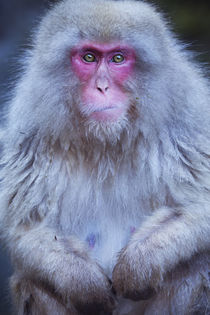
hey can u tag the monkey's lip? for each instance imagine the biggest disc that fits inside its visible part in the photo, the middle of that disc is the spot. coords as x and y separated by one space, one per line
109 113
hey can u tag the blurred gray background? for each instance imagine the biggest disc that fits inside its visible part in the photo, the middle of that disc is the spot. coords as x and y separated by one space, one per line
190 20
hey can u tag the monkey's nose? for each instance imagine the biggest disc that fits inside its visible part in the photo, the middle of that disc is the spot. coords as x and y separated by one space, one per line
102 89
102 84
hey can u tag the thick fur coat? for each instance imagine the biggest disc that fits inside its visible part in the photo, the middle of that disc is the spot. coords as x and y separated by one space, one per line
81 201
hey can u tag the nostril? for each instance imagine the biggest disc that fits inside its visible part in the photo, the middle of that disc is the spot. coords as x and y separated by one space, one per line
99 89
106 88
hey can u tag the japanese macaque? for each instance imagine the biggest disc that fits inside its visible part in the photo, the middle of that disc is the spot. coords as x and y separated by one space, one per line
105 178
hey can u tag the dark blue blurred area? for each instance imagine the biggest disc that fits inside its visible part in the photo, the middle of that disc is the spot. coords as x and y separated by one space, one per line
191 19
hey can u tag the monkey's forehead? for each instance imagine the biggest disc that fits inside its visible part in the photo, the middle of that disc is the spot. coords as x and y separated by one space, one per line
102 20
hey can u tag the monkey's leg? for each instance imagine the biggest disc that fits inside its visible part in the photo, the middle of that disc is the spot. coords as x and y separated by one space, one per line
32 299
166 239
62 267
186 290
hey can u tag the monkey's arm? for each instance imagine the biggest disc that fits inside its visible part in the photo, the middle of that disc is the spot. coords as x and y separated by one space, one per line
62 267
166 238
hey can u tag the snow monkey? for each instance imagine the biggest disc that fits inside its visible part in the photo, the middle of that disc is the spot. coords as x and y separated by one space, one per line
105 178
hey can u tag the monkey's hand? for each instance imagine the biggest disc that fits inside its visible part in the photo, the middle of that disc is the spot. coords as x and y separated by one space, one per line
164 240
134 277
88 288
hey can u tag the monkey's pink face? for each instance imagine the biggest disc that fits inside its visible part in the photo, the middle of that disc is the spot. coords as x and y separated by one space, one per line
102 70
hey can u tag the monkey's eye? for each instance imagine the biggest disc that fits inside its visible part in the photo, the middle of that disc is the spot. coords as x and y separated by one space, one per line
89 57
118 58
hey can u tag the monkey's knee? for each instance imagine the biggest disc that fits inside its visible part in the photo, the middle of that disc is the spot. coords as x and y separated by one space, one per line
185 291
21 291
29 299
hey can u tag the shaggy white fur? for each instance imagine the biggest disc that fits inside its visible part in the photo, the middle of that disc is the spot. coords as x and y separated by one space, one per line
75 193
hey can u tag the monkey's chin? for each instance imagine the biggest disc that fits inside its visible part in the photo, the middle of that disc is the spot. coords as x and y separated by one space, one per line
104 123
106 130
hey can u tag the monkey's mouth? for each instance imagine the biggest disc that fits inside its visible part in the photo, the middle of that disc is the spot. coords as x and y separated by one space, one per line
104 109
104 112
108 114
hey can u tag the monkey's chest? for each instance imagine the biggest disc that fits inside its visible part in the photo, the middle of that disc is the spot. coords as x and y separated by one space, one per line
103 219
104 234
